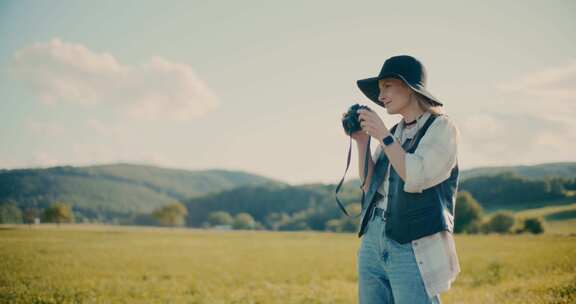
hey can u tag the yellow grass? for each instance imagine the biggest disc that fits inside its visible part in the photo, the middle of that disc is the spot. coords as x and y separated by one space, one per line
567 226
561 227
112 264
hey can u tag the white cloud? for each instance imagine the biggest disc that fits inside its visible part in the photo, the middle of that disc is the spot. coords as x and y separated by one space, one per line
515 138
547 101
483 126
530 121
554 81
61 72
551 87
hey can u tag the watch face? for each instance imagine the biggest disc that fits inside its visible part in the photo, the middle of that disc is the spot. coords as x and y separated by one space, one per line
388 140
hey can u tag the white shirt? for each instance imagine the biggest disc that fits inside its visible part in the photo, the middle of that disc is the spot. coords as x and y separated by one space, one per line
429 165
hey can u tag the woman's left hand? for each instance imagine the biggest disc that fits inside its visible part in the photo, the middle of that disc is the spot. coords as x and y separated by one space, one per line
372 124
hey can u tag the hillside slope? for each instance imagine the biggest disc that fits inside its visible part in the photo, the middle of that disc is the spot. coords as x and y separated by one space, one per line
116 188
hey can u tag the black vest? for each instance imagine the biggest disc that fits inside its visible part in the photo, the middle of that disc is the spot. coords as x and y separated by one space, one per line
410 216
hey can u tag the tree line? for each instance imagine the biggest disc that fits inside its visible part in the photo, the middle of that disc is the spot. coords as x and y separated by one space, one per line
470 218
313 207
509 188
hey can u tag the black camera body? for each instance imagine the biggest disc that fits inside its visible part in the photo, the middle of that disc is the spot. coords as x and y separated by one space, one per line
350 121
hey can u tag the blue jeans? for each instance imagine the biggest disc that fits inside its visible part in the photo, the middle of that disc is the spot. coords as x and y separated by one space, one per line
387 270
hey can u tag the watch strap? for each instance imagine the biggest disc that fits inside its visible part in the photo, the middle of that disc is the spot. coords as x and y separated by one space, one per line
388 140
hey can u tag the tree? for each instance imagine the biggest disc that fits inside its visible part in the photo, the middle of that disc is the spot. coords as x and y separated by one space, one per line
297 221
173 214
476 227
345 223
259 226
333 225
501 222
276 219
294 225
556 186
510 188
30 215
468 213
533 225
59 212
243 220
10 214
350 223
220 218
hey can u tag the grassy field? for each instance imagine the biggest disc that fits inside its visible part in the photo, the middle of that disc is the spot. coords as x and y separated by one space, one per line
549 211
119 264
559 219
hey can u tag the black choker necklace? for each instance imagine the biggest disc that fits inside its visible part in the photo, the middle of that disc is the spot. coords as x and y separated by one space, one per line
410 123
413 122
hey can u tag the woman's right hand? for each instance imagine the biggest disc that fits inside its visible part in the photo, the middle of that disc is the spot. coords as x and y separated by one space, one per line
359 136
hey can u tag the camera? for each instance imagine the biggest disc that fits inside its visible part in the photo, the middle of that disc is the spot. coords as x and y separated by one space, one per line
350 121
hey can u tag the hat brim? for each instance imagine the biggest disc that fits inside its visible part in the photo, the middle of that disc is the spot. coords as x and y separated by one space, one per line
369 86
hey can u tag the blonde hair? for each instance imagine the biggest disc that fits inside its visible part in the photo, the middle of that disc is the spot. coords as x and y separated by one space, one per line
425 104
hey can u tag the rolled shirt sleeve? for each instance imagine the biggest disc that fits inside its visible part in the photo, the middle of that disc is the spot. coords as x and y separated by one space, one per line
434 158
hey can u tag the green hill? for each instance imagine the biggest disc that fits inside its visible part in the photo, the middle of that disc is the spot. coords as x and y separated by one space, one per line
540 171
311 205
123 192
107 191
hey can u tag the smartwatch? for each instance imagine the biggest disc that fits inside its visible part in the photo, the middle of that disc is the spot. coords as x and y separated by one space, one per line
388 140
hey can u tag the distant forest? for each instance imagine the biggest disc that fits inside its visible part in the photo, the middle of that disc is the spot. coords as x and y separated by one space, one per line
260 203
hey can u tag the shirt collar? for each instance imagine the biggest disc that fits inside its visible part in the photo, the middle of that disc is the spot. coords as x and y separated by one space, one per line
419 123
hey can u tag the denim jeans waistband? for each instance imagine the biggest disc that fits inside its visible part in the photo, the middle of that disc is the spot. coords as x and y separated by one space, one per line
378 212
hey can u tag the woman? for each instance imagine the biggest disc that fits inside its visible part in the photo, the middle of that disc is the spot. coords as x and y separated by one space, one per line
407 252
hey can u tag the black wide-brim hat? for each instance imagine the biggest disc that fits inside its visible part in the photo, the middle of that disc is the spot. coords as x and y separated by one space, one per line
403 67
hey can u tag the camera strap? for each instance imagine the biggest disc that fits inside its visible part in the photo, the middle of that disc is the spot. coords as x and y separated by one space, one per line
365 173
343 177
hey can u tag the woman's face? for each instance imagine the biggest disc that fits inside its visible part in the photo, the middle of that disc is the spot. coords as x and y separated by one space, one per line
394 94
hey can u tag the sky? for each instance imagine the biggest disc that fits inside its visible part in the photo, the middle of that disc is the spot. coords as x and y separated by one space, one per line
260 86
